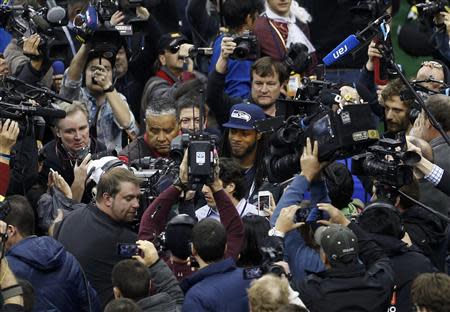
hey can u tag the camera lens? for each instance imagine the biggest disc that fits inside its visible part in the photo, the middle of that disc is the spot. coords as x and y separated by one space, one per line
242 50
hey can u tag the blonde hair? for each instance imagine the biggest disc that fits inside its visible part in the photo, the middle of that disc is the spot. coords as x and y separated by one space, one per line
268 293
70 109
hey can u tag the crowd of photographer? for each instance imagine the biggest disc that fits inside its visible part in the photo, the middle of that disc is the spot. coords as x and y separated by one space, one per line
193 155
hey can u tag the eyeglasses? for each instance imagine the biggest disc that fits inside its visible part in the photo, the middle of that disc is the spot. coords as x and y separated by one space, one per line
432 64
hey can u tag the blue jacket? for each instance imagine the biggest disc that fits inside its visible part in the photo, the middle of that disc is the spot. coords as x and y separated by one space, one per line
237 81
301 258
218 287
55 274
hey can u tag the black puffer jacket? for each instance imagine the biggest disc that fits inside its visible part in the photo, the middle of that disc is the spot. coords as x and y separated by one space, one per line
427 232
407 262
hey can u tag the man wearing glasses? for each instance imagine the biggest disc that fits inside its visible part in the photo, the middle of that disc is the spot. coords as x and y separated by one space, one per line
174 66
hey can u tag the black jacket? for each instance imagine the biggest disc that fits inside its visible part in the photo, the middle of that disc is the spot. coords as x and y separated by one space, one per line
427 232
56 157
353 287
408 263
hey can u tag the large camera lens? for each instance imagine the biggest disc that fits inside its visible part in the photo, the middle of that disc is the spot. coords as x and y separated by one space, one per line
242 50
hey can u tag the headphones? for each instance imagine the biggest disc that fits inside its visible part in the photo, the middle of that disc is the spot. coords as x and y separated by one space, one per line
106 167
388 206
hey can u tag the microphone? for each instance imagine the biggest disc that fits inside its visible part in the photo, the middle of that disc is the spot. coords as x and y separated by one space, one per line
344 48
40 22
362 38
55 12
58 67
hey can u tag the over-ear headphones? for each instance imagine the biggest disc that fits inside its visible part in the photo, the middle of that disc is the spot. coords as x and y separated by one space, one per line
388 206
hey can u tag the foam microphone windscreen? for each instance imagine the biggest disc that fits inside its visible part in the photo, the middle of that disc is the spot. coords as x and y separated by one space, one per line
58 67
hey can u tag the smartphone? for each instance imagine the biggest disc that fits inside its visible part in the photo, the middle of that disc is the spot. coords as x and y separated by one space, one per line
127 250
264 200
252 273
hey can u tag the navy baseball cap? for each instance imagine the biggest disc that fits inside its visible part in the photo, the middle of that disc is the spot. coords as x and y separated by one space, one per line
243 116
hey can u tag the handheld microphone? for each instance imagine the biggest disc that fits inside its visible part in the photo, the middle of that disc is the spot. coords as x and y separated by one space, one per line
55 12
58 67
344 48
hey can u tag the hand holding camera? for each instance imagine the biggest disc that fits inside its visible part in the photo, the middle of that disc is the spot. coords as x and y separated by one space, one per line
117 18
80 174
309 161
336 216
9 130
148 253
285 222
56 180
445 18
227 47
101 77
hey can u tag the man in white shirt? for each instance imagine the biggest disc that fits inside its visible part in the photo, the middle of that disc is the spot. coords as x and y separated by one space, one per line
234 185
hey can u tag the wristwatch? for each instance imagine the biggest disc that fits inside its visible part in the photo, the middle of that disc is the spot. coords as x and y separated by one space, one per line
9 292
110 89
273 232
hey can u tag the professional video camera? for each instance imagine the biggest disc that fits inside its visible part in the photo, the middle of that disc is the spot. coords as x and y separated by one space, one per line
388 163
201 148
100 11
24 20
432 8
247 47
340 133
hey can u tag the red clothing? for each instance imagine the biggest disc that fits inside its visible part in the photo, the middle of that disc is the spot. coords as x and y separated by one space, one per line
270 42
4 178
154 221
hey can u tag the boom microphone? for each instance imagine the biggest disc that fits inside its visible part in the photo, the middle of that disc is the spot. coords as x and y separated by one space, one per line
344 48
352 42
55 12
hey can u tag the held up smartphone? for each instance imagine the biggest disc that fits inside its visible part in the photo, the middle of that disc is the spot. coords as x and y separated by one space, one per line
264 200
252 273
127 250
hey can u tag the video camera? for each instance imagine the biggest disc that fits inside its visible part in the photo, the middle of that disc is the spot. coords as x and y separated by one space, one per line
200 146
100 11
340 133
387 162
247 47
22 20
432 8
